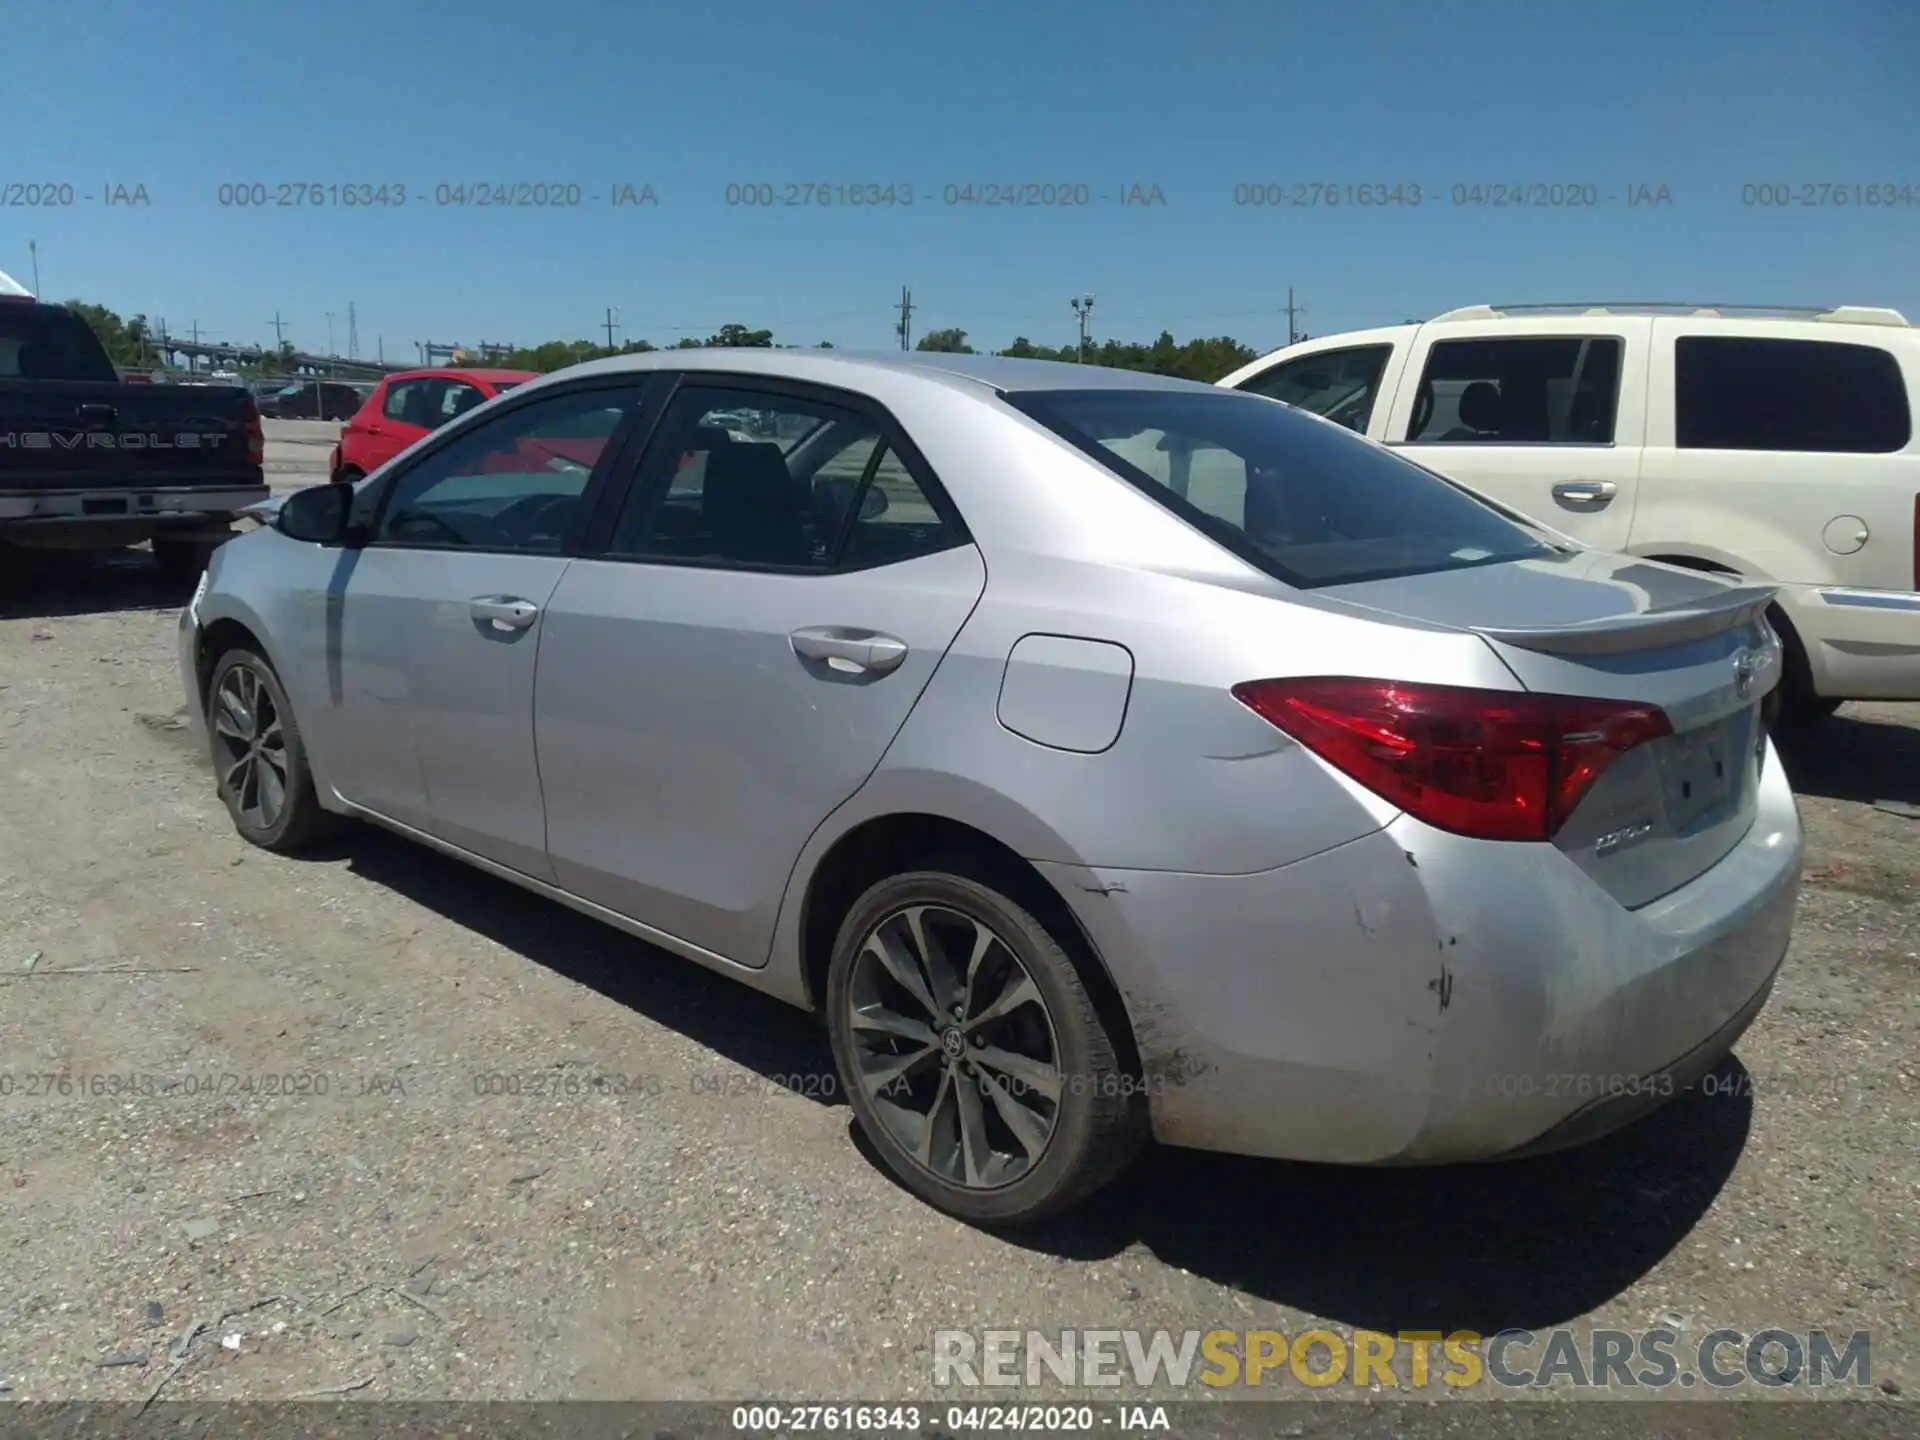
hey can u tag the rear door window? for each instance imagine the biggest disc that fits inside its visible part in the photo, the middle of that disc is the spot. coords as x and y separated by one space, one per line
1735 392
1302 499
1543 390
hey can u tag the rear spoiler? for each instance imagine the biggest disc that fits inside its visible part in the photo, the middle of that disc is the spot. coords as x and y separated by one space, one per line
1611 634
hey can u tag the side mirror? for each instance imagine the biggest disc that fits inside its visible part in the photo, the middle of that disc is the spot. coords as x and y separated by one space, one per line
317 515
874 505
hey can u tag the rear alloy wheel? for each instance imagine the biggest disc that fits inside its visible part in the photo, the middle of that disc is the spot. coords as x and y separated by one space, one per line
260 764
974 1058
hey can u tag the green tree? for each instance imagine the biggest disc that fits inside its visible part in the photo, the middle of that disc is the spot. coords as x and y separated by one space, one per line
949 342
738 337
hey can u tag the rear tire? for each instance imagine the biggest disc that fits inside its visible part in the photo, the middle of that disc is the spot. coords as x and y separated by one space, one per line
975 1059
1794 703
259 760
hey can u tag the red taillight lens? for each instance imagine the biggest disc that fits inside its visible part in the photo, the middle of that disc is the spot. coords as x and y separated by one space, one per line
1493 764
256 437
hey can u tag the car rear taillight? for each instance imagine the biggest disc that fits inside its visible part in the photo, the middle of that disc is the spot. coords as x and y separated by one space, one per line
1493 764
256 437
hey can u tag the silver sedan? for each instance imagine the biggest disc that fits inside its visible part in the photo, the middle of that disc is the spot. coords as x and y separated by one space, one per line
1104 756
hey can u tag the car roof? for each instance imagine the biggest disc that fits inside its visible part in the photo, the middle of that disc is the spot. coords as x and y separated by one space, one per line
1002 373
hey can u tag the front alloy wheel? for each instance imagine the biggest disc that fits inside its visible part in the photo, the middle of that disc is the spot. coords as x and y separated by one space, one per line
259 761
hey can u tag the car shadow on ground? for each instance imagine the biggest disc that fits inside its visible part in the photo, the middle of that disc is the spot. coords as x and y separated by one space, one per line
751 1029
1845 757
46 584
1519 1244
1526 1243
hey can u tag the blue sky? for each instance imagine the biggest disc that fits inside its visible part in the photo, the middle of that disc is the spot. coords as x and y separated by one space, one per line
1195 98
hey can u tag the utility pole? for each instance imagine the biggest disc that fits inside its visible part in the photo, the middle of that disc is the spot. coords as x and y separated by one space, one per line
353 333
612 323
1293 335
279 339
1083 307
33 249
905 328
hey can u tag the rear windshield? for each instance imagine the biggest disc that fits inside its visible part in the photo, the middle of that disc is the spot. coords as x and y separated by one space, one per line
46 342
1305 500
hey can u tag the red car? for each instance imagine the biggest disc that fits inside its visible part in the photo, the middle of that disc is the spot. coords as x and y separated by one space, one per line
408 405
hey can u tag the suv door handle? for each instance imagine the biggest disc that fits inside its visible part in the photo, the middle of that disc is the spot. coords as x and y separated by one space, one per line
504 612
98 412
1586 491
849 650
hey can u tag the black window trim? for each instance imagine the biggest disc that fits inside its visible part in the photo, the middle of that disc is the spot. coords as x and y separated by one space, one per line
371 504
893 436
1230 537
1619 391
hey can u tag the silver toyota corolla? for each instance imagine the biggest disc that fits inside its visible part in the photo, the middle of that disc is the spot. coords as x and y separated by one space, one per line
1104 755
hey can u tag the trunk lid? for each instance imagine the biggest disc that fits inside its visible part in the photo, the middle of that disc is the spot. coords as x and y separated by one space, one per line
1589 623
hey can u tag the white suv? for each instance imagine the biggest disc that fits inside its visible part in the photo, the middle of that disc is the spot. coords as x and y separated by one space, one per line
1776 443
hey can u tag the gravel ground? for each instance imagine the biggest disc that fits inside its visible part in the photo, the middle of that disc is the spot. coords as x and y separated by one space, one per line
295 1143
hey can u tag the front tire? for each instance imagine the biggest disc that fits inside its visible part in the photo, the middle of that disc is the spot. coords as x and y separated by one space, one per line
259 760
973 1055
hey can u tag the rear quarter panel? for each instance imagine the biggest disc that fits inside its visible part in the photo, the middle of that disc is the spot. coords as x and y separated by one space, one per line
1771 514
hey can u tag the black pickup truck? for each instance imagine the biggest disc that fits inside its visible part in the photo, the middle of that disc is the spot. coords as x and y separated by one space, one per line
89 462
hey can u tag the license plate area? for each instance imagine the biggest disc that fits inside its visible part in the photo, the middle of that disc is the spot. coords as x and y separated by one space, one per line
1703 773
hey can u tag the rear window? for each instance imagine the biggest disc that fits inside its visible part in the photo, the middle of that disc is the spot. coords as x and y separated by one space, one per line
1742 393
46 342
1303 499
505 385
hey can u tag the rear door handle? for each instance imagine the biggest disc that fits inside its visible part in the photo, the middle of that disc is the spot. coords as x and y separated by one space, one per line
1586 491
504 612
99 412
849 650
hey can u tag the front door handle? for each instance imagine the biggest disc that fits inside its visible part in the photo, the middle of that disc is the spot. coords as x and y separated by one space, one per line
504 612
848 650
1585 491
99 412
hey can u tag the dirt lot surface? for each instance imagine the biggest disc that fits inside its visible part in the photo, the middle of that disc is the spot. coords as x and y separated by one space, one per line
275 1111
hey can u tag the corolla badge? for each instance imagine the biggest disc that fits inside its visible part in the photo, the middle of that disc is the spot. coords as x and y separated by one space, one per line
1744 667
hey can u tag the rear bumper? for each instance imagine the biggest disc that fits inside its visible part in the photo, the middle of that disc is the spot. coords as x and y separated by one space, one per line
1415 997
1861 644
121 503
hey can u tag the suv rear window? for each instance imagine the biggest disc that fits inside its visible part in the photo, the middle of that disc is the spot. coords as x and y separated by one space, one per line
47 342
1301 498
1738 393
